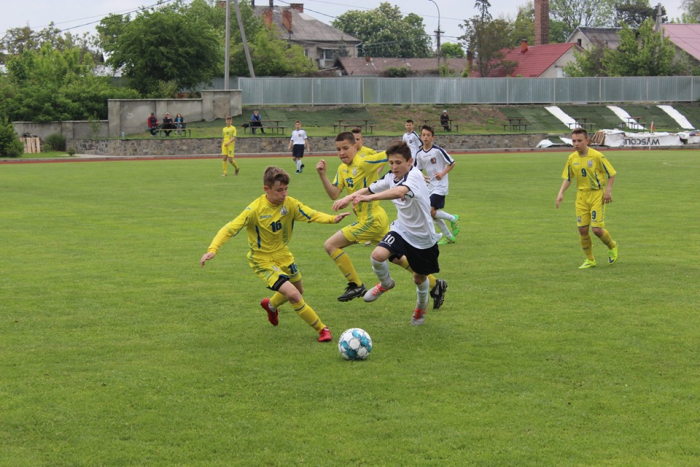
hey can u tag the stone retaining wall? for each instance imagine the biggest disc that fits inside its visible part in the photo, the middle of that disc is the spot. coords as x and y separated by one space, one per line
259 145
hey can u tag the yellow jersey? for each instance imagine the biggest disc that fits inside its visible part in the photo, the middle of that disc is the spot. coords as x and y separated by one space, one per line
229 132
589 171
359 174
269 226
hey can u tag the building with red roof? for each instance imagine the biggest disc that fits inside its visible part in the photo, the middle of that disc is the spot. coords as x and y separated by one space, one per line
538 61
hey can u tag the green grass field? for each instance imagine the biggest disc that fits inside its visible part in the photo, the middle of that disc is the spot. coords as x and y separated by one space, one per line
118 349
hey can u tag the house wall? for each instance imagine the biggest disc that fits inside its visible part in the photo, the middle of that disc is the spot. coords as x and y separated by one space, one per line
557 69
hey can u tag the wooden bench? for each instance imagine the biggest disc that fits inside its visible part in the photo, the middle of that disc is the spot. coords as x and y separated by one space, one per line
183 132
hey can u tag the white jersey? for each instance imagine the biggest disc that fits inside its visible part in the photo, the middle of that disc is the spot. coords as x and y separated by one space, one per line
413 141
298 137
433 161
414 223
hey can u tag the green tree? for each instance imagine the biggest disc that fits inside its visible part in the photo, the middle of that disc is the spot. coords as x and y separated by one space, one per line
523 27
384 32
486 38
575 13
49 84
160 46
642 53
18 40
634 12
10 145
451 50
588 62
692 11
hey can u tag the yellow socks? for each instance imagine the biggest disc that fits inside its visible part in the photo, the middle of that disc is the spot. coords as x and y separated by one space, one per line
403 262
342 260
587 246
223 164
308 314
234 163
277 300
607 239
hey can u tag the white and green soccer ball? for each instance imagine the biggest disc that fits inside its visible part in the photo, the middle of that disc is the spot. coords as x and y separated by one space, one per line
355 344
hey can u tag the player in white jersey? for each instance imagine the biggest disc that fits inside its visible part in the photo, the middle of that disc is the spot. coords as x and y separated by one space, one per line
437 164
412 234
412 138
299 139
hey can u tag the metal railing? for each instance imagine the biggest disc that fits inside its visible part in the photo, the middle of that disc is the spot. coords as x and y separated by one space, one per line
362 91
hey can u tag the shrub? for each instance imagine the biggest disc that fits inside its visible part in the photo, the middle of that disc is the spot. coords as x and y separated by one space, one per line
10 145
56 142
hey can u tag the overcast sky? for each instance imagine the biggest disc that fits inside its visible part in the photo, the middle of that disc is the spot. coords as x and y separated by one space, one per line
78 16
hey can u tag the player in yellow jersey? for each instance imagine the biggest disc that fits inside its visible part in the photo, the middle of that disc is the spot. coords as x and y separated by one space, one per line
595 176
269 221
360 143
355 172
228 146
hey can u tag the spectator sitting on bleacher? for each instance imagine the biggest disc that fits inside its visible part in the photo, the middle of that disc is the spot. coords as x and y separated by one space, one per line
179 123
256 122
153 124
168 125
445 120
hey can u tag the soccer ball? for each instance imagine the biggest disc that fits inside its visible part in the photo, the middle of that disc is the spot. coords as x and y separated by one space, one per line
355 344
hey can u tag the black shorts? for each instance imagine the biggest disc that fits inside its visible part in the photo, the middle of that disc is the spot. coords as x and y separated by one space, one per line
298 151
423 262
437 201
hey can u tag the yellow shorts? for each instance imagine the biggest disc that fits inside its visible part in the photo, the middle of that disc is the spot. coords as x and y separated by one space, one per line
274 271
590 209
372 229
228 151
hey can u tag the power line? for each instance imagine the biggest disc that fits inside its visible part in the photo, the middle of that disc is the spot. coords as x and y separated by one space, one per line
125 12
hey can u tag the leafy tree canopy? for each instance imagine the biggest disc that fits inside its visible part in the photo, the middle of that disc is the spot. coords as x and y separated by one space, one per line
17 40
575 13
643 52
634 12
160 46
384 32
49 84
451 50
486 38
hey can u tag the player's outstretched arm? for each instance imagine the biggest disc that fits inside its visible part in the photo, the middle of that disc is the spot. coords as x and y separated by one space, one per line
331 190
206 257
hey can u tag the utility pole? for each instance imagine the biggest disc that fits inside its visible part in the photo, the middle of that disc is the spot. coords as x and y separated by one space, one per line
245 41
437 33
227 59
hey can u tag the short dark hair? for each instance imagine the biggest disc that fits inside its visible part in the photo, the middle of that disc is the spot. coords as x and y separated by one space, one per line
357 130
409 121
345 136
428 128
399 148
297 121
275 174
580 131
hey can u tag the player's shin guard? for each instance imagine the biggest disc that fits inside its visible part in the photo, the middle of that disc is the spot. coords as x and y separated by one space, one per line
440 214
225 167
587 246
423 291
277 300
607 239
442 226
308 314
381 270
342 260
